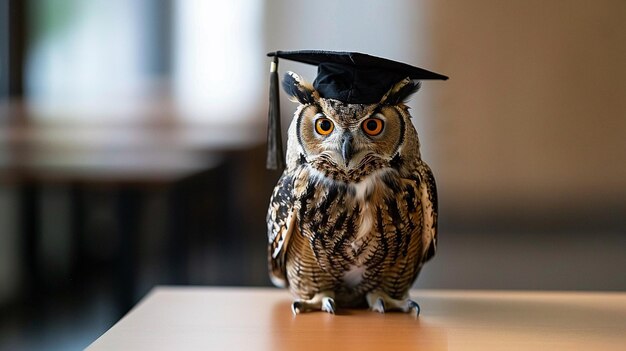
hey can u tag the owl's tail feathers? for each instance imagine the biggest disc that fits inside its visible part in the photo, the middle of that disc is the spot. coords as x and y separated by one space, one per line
278 282
276 270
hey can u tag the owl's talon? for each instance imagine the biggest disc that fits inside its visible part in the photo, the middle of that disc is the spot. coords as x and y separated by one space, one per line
296 307
379 305
323 301
414 306
328 305
381 302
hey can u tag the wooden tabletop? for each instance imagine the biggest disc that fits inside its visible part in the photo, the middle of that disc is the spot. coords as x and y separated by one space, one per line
176 318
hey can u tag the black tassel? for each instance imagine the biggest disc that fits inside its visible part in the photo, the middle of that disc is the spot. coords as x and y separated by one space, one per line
275 157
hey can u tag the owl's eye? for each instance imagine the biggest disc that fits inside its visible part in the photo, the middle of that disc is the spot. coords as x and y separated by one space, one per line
324 126
372 126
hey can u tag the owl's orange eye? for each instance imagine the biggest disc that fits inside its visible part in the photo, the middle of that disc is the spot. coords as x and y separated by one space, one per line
372 126
324 126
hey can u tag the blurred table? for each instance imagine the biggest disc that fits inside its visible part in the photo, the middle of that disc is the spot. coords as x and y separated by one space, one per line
173 318
149 142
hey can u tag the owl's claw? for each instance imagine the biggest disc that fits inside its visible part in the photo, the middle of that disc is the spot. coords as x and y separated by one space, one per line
379 306
320 302
328 305
414 306
296 307
380 302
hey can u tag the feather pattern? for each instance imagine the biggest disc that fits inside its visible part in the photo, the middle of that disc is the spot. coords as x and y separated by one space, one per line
313 234
350 229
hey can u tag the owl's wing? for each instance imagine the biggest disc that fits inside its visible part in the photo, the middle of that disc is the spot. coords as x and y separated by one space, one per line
280 224
428 194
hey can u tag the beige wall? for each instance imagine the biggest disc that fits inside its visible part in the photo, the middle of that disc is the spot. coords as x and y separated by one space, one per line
535 110
534 114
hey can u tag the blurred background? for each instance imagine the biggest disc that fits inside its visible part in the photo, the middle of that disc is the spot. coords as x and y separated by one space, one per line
132 145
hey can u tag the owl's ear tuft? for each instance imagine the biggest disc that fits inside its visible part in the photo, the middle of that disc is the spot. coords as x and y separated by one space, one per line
401 91
298 89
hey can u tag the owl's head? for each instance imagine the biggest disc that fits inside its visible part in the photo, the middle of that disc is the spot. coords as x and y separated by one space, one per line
346 141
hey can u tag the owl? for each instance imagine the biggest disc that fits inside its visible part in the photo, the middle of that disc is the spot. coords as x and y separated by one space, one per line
353 217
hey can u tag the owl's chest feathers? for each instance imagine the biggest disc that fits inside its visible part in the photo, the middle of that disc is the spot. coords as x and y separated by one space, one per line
342 221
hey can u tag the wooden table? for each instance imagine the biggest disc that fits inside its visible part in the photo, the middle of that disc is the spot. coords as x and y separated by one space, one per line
176 318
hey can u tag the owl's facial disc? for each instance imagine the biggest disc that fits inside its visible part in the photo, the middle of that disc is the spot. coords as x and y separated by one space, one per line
330 138
345 140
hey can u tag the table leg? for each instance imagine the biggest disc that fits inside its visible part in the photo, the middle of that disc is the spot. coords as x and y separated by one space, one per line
77 236
30 228
128 211
178 234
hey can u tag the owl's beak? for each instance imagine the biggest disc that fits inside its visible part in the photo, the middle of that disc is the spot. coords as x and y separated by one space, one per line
346 147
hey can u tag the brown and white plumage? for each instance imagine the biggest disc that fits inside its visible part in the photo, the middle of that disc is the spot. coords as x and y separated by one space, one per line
354 216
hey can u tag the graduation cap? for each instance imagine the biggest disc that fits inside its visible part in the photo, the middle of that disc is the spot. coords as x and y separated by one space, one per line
349 77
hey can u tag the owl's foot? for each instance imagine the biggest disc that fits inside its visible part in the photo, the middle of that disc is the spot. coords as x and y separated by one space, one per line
379 301
323 301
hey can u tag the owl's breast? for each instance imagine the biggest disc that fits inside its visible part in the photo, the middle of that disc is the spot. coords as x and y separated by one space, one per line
354 229
353 237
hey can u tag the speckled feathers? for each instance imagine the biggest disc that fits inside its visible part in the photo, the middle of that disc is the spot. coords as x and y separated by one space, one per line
353 227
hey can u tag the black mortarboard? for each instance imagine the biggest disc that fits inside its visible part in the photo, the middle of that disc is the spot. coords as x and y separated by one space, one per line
350 77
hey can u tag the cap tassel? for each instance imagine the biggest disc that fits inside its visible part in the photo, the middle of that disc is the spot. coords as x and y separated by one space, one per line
275 158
